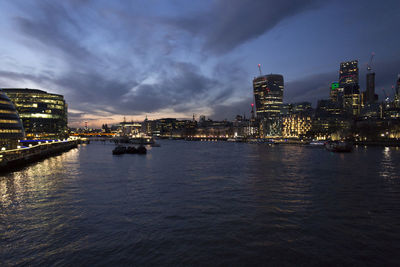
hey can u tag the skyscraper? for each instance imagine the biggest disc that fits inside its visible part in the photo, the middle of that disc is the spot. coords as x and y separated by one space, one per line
268 94
348 84
334 91
348 73
370 93
397 96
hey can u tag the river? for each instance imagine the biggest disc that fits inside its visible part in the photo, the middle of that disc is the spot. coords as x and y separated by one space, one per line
204 203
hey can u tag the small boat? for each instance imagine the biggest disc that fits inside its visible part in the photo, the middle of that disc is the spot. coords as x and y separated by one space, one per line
317 143
141 150
339 146
119 150
131 150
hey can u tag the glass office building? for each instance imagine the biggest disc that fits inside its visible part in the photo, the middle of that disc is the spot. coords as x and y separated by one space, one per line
348 84
43 115
11 129
268 94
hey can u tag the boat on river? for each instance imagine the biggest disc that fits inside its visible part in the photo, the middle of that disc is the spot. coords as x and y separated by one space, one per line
119 150
141 150
339 146
131 150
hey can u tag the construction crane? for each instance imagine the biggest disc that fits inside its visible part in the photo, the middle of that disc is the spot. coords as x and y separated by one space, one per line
259 68
369 65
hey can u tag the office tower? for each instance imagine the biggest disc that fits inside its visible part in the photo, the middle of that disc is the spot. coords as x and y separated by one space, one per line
348 83
11 129
397 93
348 73
398 85
268 94
334 91
370 96
43 115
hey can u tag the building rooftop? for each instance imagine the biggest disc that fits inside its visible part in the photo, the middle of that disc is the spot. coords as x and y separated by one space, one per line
26 90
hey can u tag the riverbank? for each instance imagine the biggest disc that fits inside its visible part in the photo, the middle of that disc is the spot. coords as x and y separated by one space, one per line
17 158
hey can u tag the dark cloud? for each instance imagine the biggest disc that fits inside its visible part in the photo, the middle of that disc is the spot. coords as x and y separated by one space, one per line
385 76
230 23
181 88
95 82
7 77
52 26
310 88
114 59
229 111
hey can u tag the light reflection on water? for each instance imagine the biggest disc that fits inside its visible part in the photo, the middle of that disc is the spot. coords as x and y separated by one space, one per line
388 170
203 203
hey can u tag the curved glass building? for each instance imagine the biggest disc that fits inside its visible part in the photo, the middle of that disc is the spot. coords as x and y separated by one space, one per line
268 94
43 115
11 129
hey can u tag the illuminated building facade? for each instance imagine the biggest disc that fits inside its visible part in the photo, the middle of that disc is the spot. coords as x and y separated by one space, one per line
268 94
348 84
334 128
42 114
296 125
352 100
11 129
348 73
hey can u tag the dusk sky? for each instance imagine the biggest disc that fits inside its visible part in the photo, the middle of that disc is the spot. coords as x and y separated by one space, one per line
161 58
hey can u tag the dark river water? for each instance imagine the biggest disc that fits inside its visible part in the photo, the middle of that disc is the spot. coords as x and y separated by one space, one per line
204 203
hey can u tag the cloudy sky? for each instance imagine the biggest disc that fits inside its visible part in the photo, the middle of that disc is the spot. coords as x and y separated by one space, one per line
173 58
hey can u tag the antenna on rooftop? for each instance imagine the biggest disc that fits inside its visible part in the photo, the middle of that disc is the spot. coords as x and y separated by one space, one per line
259 68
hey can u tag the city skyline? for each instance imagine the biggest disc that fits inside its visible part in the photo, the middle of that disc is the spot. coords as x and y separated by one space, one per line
174 59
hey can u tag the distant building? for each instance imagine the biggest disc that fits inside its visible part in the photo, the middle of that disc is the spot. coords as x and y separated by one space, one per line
349 87
373 110
294 108
398 85
328 108
268 94
352 99
370 96
296 125
11 129
131 129
43 115
334 91
397 96
348 73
